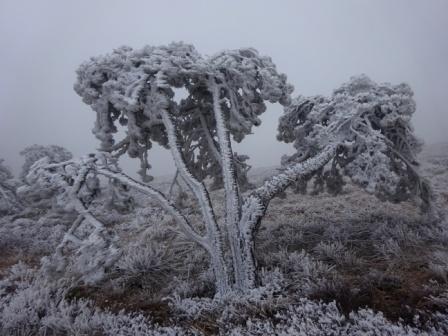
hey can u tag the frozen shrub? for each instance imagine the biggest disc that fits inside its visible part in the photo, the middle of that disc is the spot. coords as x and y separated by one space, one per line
305 274
33 236
55 154
9 202
310 318
149 266
230 310
85 263
191 308
439 265
198 280
440 299
30 305
35 194
337 253
389 249
273 279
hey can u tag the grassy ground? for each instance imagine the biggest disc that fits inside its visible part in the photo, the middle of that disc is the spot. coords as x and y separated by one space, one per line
353 249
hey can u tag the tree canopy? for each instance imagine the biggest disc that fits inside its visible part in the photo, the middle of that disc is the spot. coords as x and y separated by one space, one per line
129 87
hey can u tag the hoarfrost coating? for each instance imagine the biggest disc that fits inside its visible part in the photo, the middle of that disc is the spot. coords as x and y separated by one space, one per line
373 122
363 131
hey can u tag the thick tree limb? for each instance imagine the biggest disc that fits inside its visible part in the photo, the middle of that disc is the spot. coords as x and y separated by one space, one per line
257 203
232 196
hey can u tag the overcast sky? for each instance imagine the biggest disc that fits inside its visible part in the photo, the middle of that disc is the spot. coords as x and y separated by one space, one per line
318 44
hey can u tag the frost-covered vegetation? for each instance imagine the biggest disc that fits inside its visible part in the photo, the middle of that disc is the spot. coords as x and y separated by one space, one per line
347 237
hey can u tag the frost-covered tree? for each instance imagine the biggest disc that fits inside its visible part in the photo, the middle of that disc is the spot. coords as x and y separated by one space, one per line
34 194
362 131
8 198
136 89
36 152
371 122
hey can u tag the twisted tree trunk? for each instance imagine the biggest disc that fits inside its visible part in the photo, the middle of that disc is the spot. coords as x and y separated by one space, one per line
232 197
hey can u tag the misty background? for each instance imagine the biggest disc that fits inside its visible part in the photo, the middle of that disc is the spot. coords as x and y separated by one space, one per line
318 44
